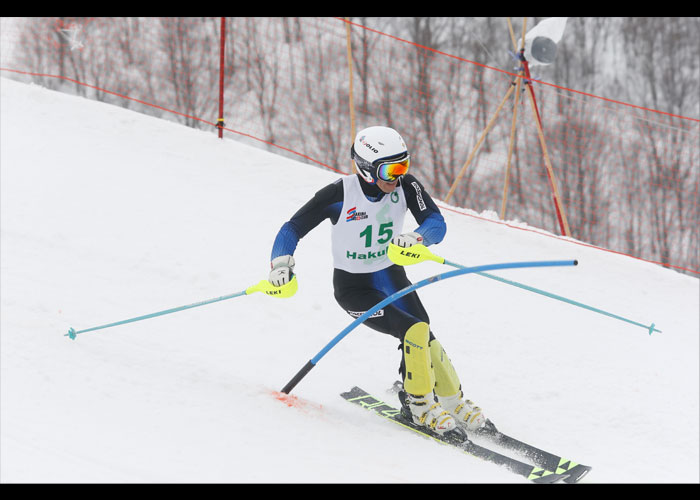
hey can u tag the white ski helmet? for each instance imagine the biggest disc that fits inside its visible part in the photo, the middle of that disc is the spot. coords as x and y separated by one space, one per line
380 153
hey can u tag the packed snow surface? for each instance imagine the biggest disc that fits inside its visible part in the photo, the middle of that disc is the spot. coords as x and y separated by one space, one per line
108 214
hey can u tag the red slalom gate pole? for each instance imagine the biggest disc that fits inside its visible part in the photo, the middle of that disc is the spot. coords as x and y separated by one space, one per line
220 121
558 207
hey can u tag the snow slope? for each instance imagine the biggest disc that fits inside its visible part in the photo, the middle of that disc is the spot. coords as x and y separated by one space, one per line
107 214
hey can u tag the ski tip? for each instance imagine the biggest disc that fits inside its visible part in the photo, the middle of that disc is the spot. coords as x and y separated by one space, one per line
577 473
549 478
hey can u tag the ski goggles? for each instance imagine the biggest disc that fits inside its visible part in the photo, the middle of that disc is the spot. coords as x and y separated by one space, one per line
389 171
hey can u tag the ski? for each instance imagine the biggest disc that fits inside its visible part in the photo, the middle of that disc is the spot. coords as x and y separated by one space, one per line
538 456
459 440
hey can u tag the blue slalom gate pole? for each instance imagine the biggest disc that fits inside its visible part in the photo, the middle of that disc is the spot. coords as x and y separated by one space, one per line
397 295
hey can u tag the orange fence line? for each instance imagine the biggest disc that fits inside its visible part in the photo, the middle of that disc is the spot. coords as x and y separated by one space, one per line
568 240
516 75
29 73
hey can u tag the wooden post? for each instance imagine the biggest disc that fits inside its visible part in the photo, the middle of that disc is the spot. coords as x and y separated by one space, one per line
561 215
478 144
515 115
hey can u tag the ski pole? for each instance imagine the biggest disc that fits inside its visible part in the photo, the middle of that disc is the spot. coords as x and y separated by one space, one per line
263 286
397 295
420 253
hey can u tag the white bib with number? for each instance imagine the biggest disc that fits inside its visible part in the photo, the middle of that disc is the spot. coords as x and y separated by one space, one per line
364 229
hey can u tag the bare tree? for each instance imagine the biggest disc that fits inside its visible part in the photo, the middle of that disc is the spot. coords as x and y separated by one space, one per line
262 71
628 177
664 70
192 71
325 97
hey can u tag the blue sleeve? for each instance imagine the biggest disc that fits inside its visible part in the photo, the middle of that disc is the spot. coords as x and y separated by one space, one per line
431 223
286 240
433 229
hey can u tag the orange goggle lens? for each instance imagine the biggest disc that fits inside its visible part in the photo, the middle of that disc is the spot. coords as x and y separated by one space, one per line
390 171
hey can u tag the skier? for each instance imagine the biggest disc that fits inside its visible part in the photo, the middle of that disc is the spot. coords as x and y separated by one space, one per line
367 213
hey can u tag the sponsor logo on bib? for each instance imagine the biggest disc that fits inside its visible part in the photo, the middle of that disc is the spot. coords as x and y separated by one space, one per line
353 214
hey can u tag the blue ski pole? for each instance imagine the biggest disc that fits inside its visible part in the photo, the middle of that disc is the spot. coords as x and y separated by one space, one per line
263 286
420 253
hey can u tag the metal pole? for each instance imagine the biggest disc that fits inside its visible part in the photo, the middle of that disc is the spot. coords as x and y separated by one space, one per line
222 59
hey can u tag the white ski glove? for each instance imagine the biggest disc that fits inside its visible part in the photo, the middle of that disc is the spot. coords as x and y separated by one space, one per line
407 239
282 270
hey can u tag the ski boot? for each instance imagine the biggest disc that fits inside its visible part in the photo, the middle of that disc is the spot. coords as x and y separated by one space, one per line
426 411
418 403
466 413
449 391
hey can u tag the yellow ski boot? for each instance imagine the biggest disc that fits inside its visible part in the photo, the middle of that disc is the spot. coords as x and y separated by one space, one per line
449 391
417 398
